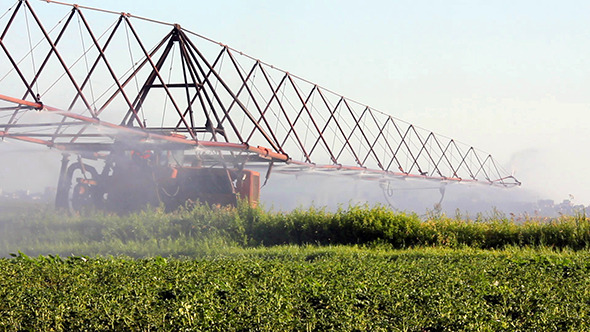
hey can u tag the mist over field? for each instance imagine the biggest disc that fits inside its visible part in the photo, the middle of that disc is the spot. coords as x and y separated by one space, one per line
35 169
286 192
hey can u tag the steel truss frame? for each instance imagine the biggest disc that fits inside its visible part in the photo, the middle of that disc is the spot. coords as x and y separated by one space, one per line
242 108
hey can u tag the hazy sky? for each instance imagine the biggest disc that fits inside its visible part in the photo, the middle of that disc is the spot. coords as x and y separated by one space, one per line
508 77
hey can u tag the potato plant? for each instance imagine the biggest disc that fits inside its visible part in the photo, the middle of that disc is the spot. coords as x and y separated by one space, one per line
291 288
243 269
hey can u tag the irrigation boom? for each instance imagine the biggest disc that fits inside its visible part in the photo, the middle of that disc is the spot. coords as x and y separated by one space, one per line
157 104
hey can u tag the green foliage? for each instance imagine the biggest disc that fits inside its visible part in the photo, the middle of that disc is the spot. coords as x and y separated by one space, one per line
201 228
313 270
301 289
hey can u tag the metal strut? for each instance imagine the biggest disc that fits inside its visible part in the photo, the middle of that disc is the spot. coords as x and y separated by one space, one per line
283 115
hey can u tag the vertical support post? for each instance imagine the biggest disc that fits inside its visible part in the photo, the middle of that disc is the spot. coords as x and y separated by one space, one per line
63 184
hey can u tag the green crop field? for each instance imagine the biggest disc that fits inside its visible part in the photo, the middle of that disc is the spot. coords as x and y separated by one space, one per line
357 269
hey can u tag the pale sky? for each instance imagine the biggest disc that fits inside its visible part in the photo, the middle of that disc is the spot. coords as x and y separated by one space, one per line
508 77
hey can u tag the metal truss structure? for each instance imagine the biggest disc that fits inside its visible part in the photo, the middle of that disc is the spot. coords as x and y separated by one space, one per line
93 80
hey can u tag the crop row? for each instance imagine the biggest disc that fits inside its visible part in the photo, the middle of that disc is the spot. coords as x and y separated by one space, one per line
190 231
301 289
